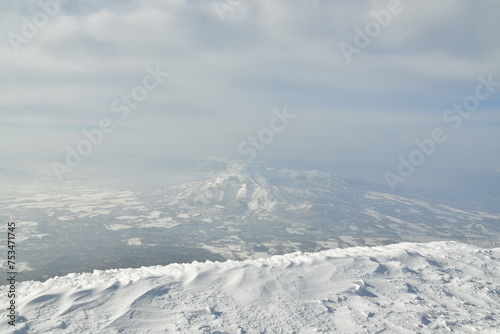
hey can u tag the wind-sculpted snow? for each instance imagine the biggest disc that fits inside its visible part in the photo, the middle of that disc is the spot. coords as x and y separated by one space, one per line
439 287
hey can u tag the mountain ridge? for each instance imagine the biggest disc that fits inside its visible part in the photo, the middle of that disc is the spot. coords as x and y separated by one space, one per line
429 288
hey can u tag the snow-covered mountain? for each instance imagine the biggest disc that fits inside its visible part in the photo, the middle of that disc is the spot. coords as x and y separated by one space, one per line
322 207
439 287
255 187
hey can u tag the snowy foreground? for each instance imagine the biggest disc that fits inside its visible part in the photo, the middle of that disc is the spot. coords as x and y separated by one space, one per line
437 287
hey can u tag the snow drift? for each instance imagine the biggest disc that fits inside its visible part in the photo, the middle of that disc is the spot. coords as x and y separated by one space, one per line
404 288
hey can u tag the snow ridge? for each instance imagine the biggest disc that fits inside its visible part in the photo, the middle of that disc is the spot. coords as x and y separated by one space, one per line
403 288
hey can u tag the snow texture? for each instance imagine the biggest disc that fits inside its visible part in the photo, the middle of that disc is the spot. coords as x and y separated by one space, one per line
438 287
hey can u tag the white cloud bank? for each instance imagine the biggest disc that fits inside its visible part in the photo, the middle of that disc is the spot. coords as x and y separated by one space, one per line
227 76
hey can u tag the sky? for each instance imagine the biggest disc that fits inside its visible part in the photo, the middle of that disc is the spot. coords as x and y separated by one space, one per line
343 86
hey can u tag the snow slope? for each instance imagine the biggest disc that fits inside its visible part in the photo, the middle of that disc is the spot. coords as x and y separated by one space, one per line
436 287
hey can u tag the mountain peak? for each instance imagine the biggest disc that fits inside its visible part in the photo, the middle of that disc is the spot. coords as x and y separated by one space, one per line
248 168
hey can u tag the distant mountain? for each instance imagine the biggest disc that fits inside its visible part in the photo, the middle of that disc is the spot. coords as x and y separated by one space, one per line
320 206
441 287
257 187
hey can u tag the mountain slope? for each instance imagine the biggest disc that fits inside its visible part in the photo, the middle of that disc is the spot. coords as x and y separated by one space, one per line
255 187
403 288
319 209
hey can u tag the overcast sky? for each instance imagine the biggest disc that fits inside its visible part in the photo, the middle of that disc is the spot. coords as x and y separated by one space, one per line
359 102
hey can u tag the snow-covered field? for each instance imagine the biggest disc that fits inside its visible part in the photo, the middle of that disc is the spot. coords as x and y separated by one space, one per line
439 287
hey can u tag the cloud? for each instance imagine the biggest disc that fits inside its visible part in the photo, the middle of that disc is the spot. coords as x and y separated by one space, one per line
226 76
